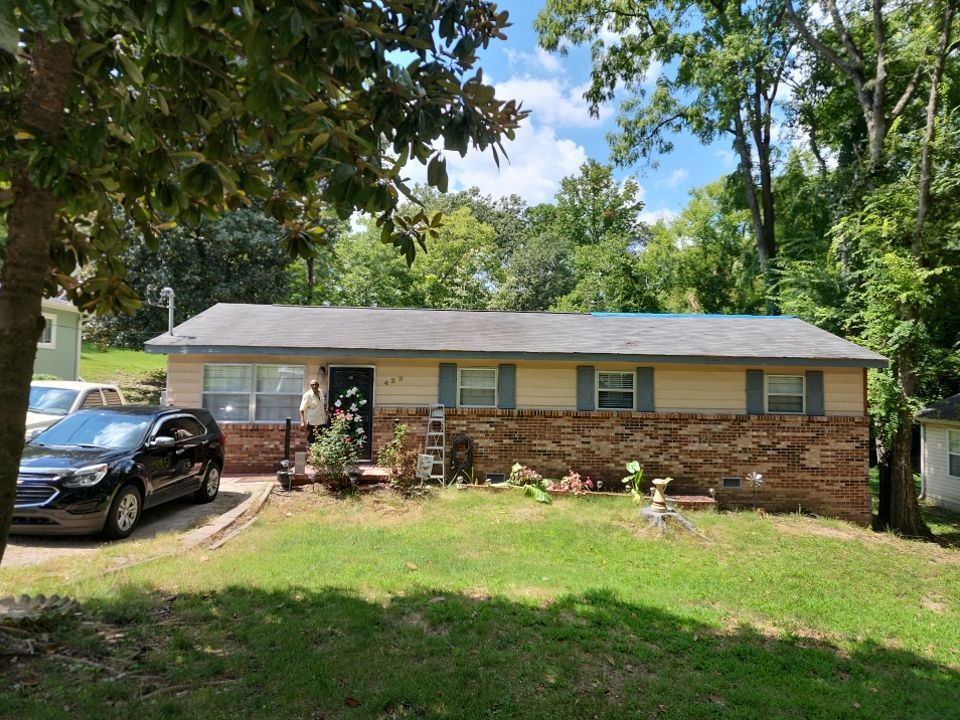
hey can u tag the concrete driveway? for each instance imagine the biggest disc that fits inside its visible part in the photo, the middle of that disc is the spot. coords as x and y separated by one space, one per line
190 522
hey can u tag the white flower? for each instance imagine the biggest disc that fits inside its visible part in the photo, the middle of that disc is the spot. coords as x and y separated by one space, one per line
353 408
337 403
363 402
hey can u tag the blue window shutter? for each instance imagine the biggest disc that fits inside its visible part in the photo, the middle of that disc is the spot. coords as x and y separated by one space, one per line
507 387
645 389
755 404
447 391
585 376
814 392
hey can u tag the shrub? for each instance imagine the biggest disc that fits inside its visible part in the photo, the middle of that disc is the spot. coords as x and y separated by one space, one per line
401 462
336 452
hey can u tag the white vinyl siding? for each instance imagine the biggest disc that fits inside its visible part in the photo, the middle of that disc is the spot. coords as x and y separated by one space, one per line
615 390
234 392
953 453
785 394
477 387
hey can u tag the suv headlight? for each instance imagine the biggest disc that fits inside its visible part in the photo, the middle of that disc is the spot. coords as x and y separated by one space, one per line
86 476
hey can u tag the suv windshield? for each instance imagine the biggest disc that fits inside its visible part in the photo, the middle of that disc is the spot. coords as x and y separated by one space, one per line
51 400
101 428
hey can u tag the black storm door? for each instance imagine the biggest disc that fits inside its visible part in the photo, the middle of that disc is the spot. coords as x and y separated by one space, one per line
344 378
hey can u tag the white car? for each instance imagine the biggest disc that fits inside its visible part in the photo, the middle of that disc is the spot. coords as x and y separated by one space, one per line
50 400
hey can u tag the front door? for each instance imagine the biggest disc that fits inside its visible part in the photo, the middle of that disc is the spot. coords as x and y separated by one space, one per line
344 378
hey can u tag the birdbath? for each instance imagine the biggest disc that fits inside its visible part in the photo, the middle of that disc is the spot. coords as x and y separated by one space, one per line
659 503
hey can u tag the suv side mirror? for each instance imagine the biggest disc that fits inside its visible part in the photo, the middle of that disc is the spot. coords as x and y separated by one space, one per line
162 441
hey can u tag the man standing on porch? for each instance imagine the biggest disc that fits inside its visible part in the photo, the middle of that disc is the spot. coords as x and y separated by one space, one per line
313 412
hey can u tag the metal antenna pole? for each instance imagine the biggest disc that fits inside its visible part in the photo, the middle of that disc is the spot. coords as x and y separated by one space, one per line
168 295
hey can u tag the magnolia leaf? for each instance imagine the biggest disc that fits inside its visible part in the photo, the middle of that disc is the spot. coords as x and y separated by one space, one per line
130 68
9 29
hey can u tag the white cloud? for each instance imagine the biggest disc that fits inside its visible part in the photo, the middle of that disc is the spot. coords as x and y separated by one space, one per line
652 216
539 159
539 59
653 73
551 101
675 178
727 157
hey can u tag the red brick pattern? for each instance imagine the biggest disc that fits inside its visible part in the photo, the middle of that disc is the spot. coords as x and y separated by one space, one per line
258 447
816 464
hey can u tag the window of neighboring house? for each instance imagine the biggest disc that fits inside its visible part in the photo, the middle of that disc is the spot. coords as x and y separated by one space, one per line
785 394
477 387
953 453
615 390
48 339
243 392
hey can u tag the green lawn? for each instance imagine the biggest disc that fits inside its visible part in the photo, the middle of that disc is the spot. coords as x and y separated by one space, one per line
478 605
140 376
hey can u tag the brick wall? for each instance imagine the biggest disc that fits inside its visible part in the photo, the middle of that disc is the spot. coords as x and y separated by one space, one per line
818 464
257 448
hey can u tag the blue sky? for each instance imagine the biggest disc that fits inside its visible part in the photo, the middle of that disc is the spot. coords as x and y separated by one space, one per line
559 134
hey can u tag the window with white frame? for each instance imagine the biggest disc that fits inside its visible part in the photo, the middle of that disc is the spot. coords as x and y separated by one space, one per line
953 453
48 339
615 390
234 392
785 394
477 387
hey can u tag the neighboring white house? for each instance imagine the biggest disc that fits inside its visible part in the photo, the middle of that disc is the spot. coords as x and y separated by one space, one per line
58 350
940 452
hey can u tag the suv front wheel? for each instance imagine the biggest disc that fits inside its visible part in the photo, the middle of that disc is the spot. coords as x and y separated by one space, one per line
124 512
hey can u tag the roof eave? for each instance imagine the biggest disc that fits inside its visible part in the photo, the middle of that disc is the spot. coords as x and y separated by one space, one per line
161 348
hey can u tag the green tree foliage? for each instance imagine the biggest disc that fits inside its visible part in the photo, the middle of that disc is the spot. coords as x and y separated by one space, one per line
459 270
234 258
893 57
704 259
724 63
599 220
152 113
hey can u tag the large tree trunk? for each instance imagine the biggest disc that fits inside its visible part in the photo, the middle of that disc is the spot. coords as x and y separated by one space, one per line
883 485
904 508
29 228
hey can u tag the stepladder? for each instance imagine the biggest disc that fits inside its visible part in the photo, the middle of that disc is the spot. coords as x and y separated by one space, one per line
435 444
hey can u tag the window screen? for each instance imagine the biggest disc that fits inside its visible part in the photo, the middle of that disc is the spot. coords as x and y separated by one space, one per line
226 391
46 338
615 390
478 387
785 393
279 388
263 393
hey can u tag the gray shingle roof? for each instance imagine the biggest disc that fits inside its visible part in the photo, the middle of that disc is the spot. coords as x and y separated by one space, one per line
948 409
387 332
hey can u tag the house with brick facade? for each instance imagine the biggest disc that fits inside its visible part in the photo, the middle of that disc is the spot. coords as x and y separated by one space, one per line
705 399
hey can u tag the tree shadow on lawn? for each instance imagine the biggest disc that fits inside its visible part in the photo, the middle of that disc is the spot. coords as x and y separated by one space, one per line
246 653
944 523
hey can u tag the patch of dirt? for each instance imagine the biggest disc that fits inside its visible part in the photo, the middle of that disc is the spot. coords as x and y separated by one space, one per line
381 508
934 605
800 526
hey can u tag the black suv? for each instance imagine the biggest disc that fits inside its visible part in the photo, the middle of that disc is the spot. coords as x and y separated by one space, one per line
98 469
